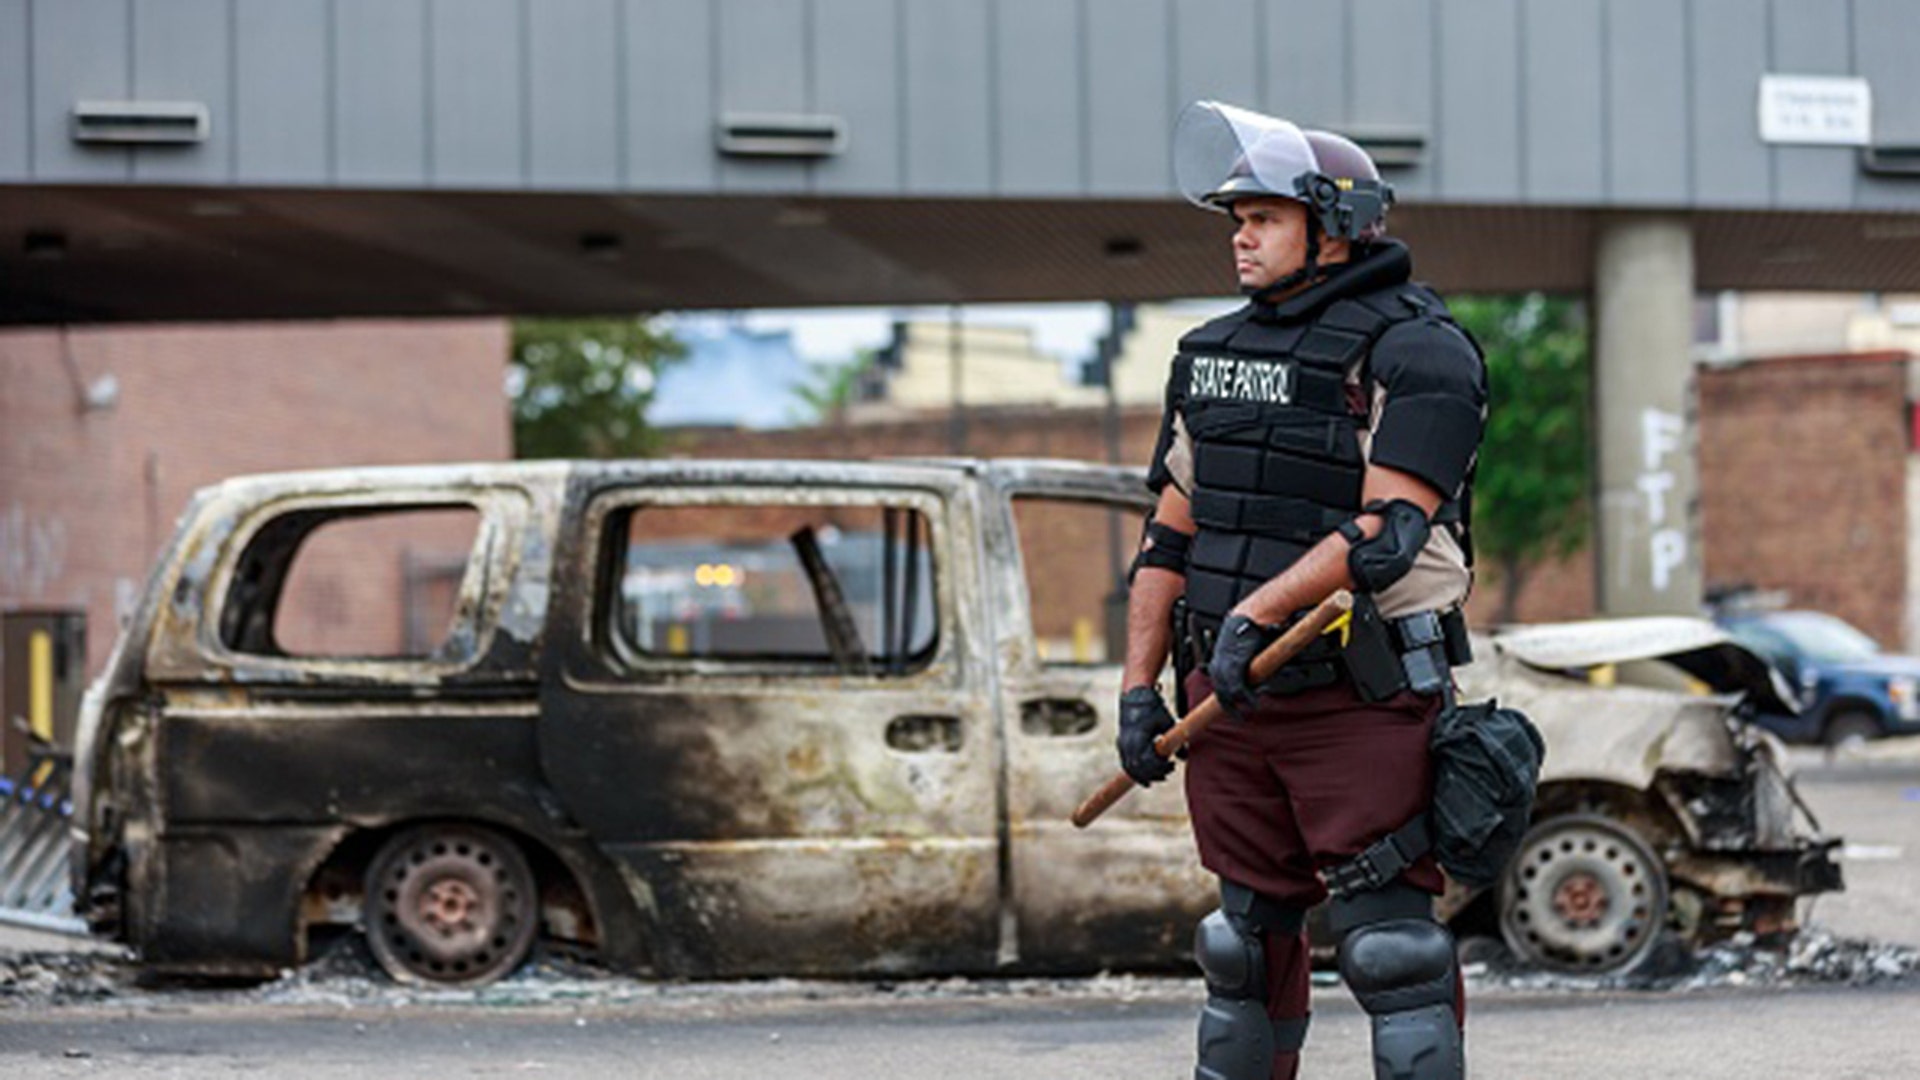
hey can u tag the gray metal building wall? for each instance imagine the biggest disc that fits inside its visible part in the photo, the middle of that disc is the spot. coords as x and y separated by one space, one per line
1561 102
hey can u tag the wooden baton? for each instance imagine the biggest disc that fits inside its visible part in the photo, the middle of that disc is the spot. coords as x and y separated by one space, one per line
1297 637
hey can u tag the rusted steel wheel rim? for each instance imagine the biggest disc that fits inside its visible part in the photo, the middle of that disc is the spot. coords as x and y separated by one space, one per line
1585 894
450 905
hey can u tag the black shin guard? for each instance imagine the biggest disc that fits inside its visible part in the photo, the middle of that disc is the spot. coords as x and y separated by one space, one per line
1237 1039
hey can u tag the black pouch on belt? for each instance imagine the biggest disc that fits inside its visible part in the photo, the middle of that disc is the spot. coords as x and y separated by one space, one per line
1425 658
1371 656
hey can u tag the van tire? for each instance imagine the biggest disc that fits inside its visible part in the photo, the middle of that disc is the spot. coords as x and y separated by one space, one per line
1585 895
450 905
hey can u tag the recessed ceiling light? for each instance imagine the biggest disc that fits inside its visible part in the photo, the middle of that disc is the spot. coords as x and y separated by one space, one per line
45 244
601 246
800 217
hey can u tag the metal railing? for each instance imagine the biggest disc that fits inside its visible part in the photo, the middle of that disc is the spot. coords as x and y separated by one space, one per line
35 808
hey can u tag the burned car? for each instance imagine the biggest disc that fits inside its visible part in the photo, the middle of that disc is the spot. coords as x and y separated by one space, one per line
1661 807
697 718
719 719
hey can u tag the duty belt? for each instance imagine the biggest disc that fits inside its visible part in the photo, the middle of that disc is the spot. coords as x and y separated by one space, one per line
1382 656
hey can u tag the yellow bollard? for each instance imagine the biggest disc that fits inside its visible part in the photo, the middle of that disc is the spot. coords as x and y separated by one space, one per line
40 685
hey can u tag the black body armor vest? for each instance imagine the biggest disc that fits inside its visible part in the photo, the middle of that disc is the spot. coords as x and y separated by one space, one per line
1275 428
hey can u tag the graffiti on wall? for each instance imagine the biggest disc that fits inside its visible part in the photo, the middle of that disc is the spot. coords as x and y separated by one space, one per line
33 551
1660 433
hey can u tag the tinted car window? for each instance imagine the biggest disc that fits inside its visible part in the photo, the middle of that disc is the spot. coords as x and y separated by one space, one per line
1764 640
1823 638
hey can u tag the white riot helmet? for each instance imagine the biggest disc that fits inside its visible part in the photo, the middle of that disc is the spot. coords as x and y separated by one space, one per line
1222 153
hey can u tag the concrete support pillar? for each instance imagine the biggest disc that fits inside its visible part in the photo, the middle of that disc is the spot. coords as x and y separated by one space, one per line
1646 545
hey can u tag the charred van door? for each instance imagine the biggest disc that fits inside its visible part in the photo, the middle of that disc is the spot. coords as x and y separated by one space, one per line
1062 647
324 647
764 710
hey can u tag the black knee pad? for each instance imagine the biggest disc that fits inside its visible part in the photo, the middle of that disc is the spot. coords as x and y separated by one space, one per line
1399 965
1231 957
1228 942
1237 1039
1402 971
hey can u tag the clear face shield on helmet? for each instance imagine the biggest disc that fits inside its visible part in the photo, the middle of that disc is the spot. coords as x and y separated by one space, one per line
1222 153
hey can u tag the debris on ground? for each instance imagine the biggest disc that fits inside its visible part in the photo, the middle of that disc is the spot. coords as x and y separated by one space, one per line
345 976
1813 957
61 978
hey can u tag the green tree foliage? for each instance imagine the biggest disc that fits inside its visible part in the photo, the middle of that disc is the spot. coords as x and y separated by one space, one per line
581 387
1530 498
829 389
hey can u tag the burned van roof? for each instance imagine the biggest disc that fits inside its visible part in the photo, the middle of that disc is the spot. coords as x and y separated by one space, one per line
703 469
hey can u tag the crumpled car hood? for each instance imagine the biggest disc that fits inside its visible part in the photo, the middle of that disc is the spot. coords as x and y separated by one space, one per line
1695 646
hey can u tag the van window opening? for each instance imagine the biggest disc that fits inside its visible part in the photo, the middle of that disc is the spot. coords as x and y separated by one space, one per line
848 587
381 583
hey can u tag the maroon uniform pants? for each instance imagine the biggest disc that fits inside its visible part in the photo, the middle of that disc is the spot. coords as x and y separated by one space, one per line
1306 781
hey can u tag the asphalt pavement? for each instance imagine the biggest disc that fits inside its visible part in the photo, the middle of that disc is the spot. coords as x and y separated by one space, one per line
323 1027
1871 798
1851 1033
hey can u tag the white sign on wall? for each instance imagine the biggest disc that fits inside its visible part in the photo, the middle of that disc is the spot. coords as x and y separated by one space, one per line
1823 110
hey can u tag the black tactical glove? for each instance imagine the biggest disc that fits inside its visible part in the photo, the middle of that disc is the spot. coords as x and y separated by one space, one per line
1240 640
1143 718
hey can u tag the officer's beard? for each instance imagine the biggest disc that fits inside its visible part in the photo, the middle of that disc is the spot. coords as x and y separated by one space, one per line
1275 291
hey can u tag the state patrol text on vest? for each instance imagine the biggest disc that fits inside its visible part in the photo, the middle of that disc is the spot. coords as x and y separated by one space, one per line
1242 380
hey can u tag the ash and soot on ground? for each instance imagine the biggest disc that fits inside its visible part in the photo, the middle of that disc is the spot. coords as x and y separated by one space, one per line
345 976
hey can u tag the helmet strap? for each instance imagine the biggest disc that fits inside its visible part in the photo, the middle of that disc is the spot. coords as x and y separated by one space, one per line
1270 294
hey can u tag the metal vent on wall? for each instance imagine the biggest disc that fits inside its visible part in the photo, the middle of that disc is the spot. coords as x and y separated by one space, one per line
1390 148
1891 160
159 123
780 135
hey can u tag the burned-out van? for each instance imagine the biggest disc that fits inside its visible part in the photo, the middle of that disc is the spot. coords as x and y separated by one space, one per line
700 718
695 718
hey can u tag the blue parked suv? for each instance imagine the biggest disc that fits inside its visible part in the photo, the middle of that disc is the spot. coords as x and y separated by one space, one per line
1852 690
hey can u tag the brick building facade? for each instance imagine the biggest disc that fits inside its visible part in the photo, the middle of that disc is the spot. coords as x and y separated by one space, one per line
105 433
1805 461
1805 467
1804 479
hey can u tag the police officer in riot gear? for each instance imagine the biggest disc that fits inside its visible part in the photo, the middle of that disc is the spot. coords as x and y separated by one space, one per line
1322 436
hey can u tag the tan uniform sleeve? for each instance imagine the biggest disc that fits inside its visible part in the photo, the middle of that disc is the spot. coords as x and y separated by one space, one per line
1440 578
1179 460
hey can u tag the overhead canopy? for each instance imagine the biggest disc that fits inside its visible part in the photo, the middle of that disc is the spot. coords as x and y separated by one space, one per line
167 253
274 158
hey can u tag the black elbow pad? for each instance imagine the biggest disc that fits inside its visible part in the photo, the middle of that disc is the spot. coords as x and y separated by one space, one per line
1162 547
1378 561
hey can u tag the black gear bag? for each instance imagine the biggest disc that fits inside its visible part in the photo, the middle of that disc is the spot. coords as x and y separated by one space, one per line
1486 765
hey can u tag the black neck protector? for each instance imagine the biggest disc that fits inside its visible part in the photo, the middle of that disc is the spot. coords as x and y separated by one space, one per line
1375 264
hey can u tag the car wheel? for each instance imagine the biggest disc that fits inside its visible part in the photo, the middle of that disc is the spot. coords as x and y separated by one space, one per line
1585 894
1850 729
450 905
